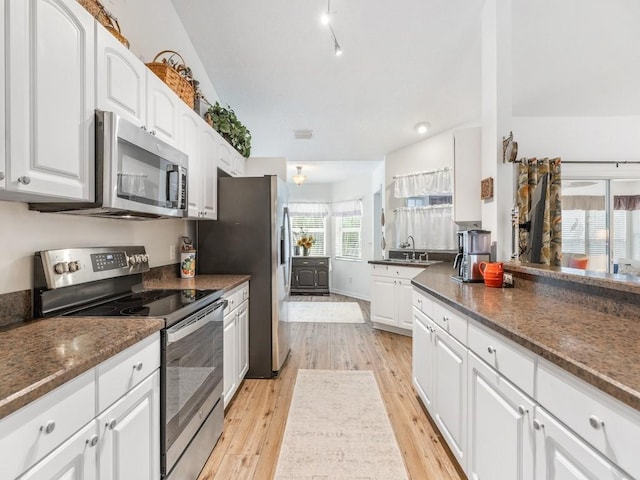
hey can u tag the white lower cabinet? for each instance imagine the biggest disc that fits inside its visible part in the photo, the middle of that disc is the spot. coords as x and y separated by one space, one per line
562 455
130 434
71 433
480 392
392 297
501 435
75 459
450 391
235 340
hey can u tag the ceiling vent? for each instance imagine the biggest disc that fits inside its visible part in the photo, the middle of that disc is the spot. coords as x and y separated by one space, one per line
303 134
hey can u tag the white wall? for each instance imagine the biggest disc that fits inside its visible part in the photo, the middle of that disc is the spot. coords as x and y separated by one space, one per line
154 25
259 166
24 232
430 154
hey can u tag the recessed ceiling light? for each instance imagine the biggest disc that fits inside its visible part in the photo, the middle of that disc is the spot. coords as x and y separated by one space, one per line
422 128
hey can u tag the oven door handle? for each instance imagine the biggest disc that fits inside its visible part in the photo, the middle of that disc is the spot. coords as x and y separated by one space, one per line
178 332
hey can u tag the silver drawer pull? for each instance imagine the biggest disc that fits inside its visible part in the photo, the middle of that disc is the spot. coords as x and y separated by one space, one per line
1 175
537 424
445 318
491 349
522 410
112 424
93 441
138 366
595 422
49 427
24 180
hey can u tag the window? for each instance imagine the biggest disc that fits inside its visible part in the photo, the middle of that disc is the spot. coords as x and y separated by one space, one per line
309 219
348 235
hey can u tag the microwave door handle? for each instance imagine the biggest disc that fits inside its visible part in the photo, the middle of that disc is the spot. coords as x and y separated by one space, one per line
172 170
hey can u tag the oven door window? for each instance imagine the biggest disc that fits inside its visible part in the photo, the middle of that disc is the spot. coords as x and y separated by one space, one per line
144 177
193 371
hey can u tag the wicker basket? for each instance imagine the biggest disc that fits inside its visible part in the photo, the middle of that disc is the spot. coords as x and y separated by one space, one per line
170 74
108 21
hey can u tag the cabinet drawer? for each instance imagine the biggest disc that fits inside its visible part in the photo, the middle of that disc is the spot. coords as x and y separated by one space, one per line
450 322
423 303
235 297
607 424
124 371
23 435
512 361
395 271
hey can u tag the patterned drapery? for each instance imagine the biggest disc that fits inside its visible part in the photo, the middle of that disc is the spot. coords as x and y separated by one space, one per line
529 172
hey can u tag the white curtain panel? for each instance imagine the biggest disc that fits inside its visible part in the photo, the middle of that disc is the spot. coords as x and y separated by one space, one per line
436 182
317 210
347 208
431 227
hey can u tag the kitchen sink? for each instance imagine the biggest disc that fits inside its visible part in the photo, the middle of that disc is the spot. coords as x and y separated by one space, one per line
402 261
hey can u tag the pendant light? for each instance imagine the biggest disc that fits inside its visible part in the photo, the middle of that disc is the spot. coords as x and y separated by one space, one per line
299 178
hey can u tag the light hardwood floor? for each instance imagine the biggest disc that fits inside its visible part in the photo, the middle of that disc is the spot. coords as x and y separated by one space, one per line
255 420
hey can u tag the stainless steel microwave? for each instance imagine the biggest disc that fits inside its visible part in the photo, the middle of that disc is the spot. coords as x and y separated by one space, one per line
138 175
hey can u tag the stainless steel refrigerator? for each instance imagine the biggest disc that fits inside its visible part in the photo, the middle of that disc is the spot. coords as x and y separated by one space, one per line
252 236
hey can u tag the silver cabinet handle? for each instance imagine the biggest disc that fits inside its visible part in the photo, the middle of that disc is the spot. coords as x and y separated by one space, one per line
522 410
152 132
491 349
111 424
1 175
445 318
49 427
24 180
138 366
537 424
93 441
595 422
143 127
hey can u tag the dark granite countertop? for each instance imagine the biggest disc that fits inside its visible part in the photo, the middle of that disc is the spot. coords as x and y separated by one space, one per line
602 349
39 355
405 263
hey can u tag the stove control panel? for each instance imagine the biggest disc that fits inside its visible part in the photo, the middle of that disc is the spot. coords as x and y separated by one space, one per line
60 268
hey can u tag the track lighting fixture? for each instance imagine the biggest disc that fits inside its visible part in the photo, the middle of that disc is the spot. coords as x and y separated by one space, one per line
325 19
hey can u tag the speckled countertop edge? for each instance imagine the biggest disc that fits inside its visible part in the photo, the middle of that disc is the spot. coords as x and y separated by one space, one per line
38 356
608 347
401 263
620 282
41 355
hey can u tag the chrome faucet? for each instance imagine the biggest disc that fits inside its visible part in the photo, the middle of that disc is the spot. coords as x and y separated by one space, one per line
413 246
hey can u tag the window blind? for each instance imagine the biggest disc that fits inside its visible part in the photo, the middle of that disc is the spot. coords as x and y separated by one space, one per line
348 222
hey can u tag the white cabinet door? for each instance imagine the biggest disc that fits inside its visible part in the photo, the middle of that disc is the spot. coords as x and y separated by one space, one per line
404 301
209 187
561 455
225 155
75 459
190 144
243 340
130 434
423 343
240 165
230 342
2 102
383 306
162 110
450 388
121 79
501 435
466 175
51 100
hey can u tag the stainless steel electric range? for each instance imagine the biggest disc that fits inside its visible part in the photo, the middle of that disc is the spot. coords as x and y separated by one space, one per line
107 282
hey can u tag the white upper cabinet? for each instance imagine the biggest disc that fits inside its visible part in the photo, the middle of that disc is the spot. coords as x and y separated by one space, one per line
2 102
51 101
162 109
467 151
209 197
229 159
126 86
121 79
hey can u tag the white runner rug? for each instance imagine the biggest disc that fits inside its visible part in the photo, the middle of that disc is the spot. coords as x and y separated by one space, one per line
327 312
338 429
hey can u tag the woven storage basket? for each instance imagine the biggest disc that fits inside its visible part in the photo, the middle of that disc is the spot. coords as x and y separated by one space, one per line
172 77
107 20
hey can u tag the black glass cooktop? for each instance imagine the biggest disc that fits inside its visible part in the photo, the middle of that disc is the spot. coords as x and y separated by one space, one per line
148 303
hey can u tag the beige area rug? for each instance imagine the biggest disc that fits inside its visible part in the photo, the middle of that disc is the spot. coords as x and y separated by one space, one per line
338 429
325 312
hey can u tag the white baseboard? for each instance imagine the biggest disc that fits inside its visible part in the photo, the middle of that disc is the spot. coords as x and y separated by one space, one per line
350 294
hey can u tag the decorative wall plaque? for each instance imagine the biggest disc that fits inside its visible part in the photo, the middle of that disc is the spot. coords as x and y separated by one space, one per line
486 188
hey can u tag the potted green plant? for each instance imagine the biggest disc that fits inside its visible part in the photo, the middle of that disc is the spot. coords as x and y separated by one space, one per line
225 122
